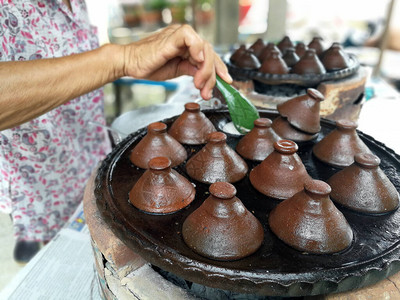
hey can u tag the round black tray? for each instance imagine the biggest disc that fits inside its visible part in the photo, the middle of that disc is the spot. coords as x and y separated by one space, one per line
275 269
308 80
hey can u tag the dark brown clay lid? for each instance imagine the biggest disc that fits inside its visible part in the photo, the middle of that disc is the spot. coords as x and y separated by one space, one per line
335 58
285 43
274 64
302 112
157 142
248 60
282 174
310 222
192 127
216 161
364 187
222 228
309 63
316 44
339 147
257 47
301 49
161 190
283 128
258 143
290 57
237 54
267 51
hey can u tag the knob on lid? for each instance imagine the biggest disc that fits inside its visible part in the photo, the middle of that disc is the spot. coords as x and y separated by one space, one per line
317 187
157 127
222 190
263 122
192 107
159 163
346 124
286 147
217 136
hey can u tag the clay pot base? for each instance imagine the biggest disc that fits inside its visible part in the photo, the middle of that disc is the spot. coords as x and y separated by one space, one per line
275 269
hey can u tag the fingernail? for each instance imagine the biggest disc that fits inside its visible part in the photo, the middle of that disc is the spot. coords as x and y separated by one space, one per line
229 77
201 56
210 94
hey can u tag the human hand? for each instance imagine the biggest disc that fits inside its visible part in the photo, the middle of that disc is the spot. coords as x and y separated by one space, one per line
174 51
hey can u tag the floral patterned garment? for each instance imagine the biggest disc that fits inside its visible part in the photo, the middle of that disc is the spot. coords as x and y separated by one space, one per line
45 163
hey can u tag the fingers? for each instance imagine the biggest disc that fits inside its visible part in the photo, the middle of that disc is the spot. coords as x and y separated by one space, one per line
186 37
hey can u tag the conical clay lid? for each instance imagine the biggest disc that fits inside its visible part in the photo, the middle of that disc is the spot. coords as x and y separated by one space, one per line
309 63
274 64
259 142
310 222
222 228
340 146
192 127
285 43
161 190
266 52
157 142
282 174
257 47
302 112
317 44
364 187
335 58
216 161
237 54
283 128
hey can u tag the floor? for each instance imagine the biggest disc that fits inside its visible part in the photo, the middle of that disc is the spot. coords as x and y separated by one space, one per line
8 267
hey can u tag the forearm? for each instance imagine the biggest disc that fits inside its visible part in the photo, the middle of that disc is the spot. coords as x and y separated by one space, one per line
29 89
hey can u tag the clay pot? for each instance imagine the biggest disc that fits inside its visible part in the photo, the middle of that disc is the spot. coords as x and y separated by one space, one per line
274 64
192 127
301 49
340 146
302 112
216 161
222 228
283 128
282 174
310 222
309 64
317 44
284 44
259 142
364 187
290 57
267 51
248 60
257 47
157 142
161 190
335 58
237 54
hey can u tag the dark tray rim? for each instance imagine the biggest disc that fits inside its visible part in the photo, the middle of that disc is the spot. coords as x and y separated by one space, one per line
263 283
296 79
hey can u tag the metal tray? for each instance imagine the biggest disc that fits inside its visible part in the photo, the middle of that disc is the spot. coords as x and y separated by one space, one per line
275 269
308 80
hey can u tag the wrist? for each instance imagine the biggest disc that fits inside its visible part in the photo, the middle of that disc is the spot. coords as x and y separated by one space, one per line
114 60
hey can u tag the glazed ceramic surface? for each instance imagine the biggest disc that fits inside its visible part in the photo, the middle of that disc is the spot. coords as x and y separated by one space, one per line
274 64
364 187
257 47
157 142
282 174
317 44
302 112
259 142
309 63
285 43
267 51
216 162
222 228
340 146
276 269
161 190
283 128
237 54
310 222
192 127
290 57
335 58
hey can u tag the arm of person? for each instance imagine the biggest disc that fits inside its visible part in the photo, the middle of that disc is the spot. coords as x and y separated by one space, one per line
29 89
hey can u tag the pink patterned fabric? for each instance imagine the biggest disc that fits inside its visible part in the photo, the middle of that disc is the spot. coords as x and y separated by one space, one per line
45 163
